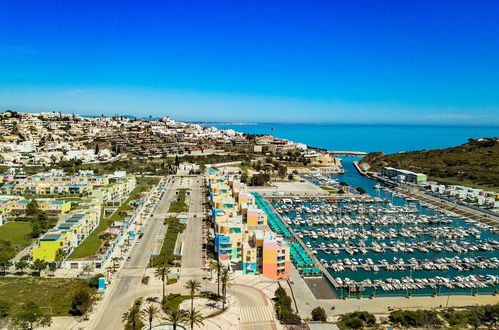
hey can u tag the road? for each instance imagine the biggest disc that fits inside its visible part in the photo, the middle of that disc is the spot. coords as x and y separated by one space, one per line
255 310
119 299
456 208
192 236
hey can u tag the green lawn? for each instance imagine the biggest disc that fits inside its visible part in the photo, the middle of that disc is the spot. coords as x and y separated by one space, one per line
169 242
17 233
53 295
92 243
173 301
179 205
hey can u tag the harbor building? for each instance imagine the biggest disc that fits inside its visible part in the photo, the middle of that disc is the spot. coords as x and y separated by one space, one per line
403 176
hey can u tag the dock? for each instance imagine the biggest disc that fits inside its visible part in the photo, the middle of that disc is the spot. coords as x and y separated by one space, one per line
319 264
347 153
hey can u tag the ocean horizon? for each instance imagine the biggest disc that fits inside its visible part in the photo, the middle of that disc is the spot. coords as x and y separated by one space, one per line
387 138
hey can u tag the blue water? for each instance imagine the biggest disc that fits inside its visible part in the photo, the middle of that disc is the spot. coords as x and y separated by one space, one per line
368 138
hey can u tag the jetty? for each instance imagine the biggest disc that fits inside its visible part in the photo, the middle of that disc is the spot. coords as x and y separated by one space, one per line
319 264
347 153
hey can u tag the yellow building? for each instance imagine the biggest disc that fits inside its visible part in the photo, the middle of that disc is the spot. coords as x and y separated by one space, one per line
67 236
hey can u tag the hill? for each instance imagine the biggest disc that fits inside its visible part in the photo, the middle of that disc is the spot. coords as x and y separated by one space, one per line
474 164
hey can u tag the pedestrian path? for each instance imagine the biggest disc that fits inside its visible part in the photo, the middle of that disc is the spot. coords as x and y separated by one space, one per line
256 314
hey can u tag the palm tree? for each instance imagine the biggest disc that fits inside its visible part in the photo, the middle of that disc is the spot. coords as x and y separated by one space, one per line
176 316
132 316
225 280
162 273
194 317
150 313
216 266
192 286
114 260
87 268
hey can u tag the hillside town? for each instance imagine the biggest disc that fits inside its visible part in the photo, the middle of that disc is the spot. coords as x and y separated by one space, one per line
50 138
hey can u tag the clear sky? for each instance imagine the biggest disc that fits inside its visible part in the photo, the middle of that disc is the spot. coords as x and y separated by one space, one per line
262 61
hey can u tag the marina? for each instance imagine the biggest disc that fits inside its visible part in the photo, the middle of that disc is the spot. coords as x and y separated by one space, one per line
390 244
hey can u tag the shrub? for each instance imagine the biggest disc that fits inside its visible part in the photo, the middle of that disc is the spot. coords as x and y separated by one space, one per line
81 302
290 318
354 323
279 292
4 308
319 314
419 318
358 320
93 282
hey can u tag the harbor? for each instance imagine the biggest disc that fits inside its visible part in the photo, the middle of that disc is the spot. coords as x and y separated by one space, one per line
389 244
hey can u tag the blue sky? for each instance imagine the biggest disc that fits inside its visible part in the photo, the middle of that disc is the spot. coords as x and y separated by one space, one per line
267 61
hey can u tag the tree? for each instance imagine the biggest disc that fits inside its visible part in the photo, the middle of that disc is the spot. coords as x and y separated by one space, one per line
282 171
4 263
193 286
52 267
32 208
195 318
176 316
225 279
30 317
87 268
115 260
319 314
36 229
162 273
39 265
59 256
216 265
131 318
82 301
96 149
150 313
42 218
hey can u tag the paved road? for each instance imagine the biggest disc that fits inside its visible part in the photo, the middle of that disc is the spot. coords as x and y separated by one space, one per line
119 299
456 208
255 310
192 237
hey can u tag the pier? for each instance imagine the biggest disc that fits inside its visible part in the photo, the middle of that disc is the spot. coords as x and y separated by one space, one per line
319 264
348 153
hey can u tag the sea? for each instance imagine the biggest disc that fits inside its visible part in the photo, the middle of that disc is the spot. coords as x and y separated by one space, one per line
369 138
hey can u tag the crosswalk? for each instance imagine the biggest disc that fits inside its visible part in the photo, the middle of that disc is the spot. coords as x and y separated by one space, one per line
256 314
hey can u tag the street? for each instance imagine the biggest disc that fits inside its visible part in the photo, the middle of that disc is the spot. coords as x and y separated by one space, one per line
119 299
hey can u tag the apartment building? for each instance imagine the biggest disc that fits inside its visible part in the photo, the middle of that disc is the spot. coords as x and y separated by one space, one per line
242 235
64 238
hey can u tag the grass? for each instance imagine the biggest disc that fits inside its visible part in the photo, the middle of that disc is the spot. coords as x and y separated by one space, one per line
53 295
216 313
173 301
59 197
92 243
166 253
179 205
328 189
17 233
